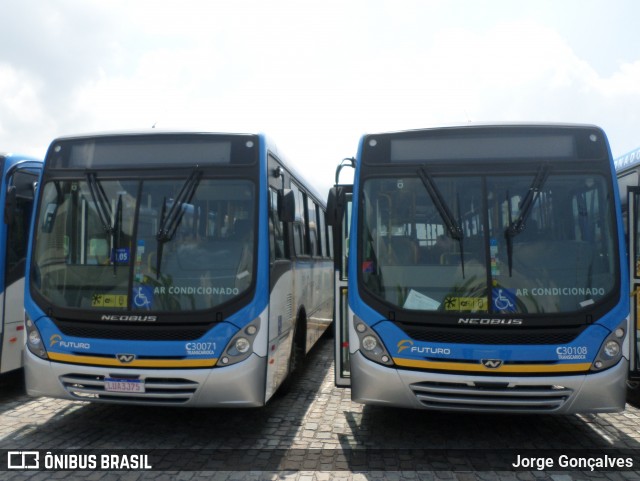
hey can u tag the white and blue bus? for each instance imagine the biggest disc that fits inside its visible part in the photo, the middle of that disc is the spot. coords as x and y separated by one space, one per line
189 269
19 180
628 171
486 271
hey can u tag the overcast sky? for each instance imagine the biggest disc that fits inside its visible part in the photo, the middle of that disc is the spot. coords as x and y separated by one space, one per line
316 75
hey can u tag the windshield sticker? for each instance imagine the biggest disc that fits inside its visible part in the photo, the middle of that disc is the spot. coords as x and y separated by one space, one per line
504 300
367 267
200 290
562 291
120 256
495 270
465 303
109 300
138 266
493 251
416 300
142 297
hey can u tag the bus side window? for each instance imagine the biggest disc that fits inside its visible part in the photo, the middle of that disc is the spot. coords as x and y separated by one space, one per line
322 232
276 229
329 235
300 241
18 239
312 227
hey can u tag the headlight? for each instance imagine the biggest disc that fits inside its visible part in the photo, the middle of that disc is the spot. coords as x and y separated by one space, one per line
611 350
34 340
240 346
371 345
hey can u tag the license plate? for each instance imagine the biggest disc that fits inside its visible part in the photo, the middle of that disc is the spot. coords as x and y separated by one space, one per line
123 385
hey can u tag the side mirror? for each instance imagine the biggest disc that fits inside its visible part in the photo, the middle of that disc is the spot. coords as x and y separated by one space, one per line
331 216
25 183
348 162
22 186
10 204
336 204
286 205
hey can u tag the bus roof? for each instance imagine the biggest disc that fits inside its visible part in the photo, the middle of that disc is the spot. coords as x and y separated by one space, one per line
485 125
269 142
484 141
13 155
150 131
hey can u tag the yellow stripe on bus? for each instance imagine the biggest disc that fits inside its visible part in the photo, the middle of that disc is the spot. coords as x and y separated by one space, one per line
477 367
104 361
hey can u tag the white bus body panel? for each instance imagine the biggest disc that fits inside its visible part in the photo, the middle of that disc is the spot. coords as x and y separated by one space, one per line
602 392
240 385
13 328
281 320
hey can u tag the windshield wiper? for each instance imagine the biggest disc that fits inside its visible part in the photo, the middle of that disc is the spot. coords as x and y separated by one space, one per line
101 201
170 220
453 227
517 225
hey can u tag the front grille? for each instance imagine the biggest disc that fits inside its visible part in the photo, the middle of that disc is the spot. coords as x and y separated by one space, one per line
490 335
491 396
165 391
128 332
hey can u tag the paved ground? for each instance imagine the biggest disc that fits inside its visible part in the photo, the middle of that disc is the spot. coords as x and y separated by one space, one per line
313 433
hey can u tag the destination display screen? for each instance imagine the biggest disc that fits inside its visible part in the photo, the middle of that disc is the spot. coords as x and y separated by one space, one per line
492 143
484 147
107 152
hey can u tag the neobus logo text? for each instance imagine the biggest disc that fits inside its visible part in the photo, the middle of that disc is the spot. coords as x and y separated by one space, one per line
115 317
478 321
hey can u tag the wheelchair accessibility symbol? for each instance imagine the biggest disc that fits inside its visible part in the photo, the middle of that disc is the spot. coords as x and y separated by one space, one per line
504 300
142 297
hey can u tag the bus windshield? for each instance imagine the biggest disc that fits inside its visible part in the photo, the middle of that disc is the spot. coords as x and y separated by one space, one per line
528 242
179 244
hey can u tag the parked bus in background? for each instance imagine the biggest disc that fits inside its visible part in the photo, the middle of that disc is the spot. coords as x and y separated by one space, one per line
188 269
486 271
628 171
19 180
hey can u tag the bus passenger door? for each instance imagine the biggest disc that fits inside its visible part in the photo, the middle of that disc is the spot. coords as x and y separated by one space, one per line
339 217
18 208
